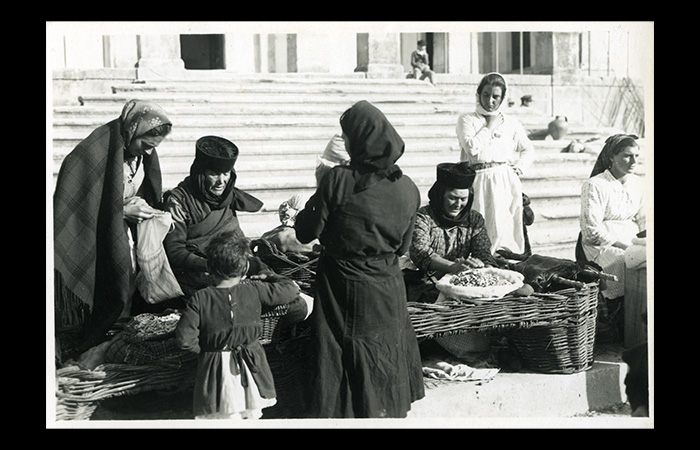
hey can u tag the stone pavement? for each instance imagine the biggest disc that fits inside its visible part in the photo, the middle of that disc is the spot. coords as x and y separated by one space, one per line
591 399
527 399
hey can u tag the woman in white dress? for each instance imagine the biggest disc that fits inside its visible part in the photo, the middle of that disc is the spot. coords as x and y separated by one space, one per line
612 212
498 149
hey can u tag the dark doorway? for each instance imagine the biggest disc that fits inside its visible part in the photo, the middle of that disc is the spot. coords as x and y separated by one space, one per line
520 41
436 44
202 51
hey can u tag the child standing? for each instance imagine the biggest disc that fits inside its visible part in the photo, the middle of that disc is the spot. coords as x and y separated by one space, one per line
222 324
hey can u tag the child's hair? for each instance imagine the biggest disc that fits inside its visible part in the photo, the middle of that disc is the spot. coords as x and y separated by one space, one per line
227 255
421 43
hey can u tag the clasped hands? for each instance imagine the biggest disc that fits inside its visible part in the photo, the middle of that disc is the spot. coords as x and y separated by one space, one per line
136 210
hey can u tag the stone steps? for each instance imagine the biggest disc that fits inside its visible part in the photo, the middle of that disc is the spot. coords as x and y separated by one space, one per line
269 144
282 124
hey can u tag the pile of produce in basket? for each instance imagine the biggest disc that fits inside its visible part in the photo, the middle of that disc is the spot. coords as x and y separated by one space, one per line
487 282
478 278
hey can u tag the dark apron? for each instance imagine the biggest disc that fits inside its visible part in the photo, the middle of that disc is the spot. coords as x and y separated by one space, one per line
198 237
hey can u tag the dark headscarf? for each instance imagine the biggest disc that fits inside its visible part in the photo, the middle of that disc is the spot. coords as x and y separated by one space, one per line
374 145
451 176
219 155
613 145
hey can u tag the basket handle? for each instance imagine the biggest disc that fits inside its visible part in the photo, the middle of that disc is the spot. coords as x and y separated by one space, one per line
600 275
567 282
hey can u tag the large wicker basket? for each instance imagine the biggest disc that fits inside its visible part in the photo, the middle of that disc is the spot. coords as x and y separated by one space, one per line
79 391
554 333
290 364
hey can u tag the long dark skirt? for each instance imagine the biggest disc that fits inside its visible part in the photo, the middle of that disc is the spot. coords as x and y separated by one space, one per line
367 361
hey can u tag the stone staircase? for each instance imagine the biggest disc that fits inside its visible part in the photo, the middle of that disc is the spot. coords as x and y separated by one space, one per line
282 124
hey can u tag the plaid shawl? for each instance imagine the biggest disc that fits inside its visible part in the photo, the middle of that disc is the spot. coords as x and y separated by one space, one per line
92 258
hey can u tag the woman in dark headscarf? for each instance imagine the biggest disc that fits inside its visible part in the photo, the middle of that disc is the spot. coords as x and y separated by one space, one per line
367 358
612 209
204 205
107 184
449 236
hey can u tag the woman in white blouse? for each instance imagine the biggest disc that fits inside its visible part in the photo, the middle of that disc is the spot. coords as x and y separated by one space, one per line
498 149
612 212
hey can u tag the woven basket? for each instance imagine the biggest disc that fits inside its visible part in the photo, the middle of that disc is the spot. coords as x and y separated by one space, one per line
79 391
273 329
553 332
290 365
304 273
564 347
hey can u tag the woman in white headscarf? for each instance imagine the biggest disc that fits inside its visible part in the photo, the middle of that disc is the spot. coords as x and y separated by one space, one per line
612 209
498 149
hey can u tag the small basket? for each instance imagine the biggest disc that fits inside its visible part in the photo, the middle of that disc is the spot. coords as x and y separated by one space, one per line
514 281
303 272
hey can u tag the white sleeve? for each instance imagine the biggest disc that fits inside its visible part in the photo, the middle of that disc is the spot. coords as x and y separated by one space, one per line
592 215
472 135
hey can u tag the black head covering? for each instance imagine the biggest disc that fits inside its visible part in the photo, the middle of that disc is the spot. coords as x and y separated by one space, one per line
219 155
374 145
451 176
613 145
455 175
215 153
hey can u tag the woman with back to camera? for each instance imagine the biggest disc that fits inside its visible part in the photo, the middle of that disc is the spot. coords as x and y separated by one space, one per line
106 185
367 359
497 147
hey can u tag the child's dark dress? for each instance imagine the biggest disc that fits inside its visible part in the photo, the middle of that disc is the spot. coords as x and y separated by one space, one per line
223 325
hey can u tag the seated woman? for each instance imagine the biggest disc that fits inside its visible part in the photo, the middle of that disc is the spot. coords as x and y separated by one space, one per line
203 206
449 236
612 211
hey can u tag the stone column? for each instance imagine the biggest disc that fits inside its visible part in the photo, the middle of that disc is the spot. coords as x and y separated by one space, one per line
159 57
384 56
239 52
463 53
544 62
565 54
326 52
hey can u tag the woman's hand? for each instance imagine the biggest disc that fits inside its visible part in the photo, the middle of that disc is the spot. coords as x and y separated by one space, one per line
137 210
462 264
473 263
494 121
621 245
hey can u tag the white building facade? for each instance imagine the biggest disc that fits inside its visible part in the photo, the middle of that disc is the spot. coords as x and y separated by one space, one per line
574 67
